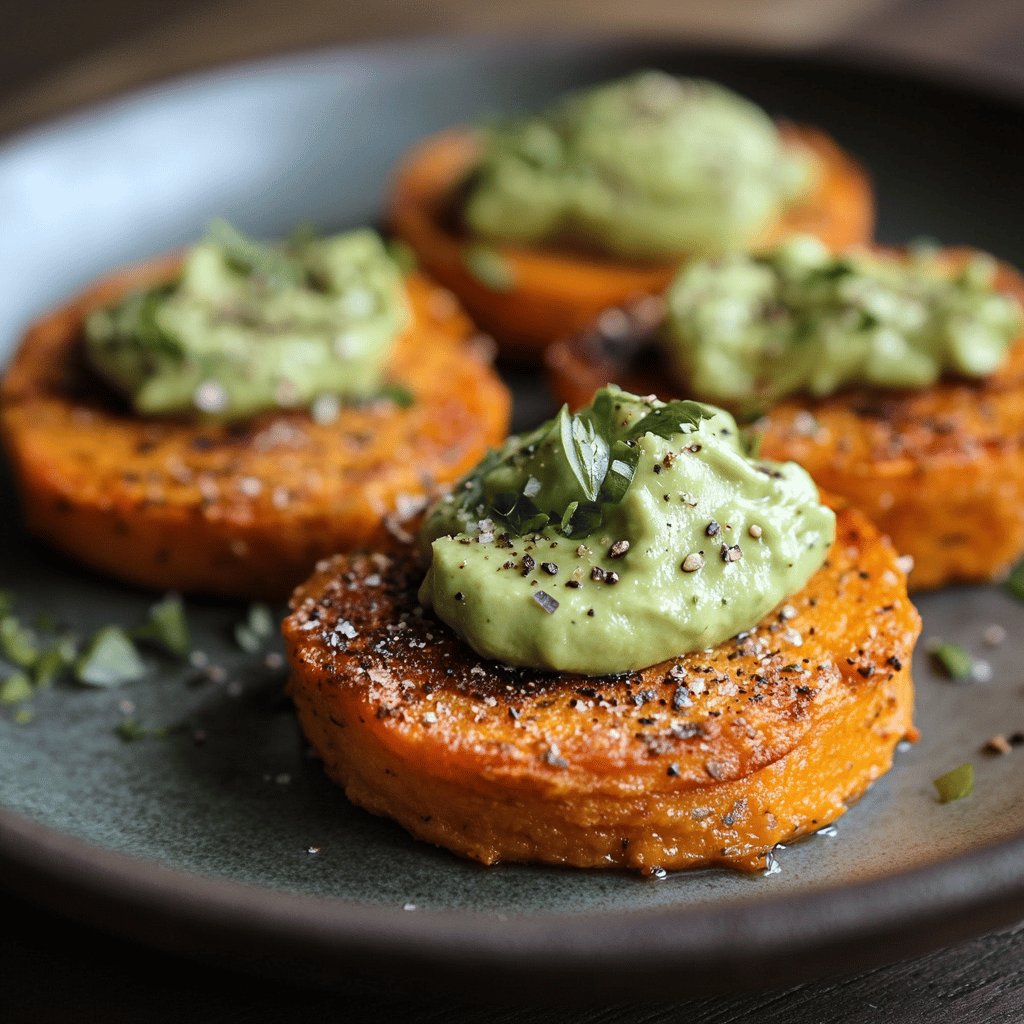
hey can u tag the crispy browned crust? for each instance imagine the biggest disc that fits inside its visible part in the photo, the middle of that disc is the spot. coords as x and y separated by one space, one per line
766 738
941 471
560 291
241 511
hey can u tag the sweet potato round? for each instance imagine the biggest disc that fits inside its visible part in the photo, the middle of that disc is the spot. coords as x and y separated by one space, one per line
765 738
941 471
559 291
241 510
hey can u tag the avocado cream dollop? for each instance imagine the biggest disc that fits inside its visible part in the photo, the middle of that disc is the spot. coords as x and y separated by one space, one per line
618 537
646 168
251 326
748 330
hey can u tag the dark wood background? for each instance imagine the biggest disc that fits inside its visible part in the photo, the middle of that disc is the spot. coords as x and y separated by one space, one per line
55 55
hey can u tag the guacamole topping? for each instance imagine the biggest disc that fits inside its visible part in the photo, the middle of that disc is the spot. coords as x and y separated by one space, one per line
618 537
251 326
646 168
746 331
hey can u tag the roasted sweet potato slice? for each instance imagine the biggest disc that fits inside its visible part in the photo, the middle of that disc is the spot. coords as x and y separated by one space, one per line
941 471
241 510
711 758
555 292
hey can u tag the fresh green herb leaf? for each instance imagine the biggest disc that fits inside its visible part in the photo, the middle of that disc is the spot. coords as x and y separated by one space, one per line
488 267
261 620
18 642
752 440
259 626
247 640
167 626
956 784
54 662
24 715
586 452
402 255
15 688
954 661
672 418
398 394
566 524
1015 581
586 519
250 257
130 730
110 659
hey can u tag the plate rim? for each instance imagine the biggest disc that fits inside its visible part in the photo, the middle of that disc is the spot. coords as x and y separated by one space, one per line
762 942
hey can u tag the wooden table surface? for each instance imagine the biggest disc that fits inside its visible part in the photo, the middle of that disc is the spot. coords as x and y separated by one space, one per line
54 56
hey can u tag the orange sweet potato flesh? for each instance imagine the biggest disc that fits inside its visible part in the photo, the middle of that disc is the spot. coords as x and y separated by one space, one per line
772 737
243 510
941 471
559 291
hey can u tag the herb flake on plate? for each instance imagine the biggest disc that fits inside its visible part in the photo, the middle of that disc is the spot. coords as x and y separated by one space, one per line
488 267
954 661
110 659
955 784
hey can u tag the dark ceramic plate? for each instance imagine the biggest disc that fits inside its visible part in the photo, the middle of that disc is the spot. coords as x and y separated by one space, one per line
204 848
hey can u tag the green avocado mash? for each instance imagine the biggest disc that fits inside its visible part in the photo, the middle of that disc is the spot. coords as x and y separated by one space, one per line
251 326
646 168
748 330
618 537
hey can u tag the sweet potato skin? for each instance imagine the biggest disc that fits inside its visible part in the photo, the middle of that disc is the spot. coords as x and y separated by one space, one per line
770 738
558 292
941 471
238 511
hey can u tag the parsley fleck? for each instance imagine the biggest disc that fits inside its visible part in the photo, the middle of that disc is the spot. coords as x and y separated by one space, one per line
1015 581
488 267
402 255
17 642
110 659
15 688
167 626
955 784
259 626
398 394
954 661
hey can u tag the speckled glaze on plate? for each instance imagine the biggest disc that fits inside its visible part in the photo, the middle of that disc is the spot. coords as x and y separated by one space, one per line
204 848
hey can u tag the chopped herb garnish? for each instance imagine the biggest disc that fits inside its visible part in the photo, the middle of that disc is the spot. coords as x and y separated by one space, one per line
954 661
488 267
259 626
586 452
956 784
402 255
23 716
110 659
129 730
753 440
167 626
1015 581
252 258
398 394
672 419
15 688
54 662
18 642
